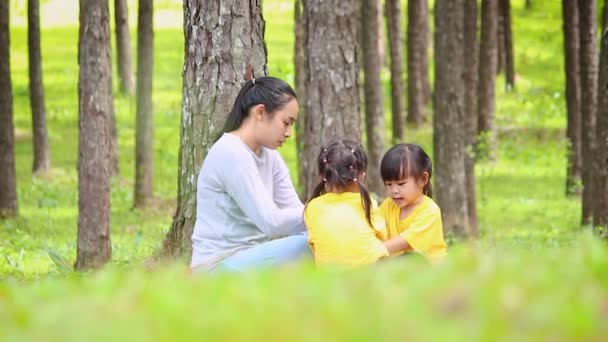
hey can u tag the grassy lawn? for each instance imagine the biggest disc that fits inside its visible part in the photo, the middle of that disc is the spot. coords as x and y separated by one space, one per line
534 273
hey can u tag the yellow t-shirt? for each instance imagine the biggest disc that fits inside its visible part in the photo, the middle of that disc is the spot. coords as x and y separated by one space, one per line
339 233
422 228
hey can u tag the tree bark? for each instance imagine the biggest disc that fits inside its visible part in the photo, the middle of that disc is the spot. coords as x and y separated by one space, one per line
471 53
123 47
486 108
42 158
589 73
95 110
417 42
600 217
8 180
448 127
301 75
332 91
395 45
508 45
144 141
573 93
224 47
374 97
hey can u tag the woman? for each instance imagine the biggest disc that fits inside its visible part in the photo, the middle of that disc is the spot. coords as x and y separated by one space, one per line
248 212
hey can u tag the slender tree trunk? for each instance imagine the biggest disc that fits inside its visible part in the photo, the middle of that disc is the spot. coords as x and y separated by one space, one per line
573 94
605 16
214 70
448 126
486 107
500 40
144 141
42 159
374 97
301 75
600 217
425 27
471 53
95 109
332 91
417 40
395 45
528 4
123 47
508 44
8 180
589 73
380 38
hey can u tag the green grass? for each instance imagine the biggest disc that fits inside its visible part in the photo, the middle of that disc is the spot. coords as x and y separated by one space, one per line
534 273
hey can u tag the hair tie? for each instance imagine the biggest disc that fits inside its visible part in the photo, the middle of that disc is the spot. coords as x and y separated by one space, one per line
324 160
355 179
253 81
324 179
352 150
351 167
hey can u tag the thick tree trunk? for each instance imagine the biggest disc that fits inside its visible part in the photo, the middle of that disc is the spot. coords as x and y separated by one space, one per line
448 126
374 97
8 180
573 93
471 53
508 44
395 45
417 42
224 47
486 107
144 134
123 47
600 217
95 110
589 73
301 75
42 159
332 91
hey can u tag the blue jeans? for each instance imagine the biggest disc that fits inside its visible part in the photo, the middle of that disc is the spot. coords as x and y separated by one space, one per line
271 253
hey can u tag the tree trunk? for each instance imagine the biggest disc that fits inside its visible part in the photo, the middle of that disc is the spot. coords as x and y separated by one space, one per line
486 108
374 97
508 45
471 53
573 93
448 126
528 4
301 75
8 180
589 73
500 40
380 31
123 47
215 68
42 159
395 45
144 141
600 217
332 91
95 110
417 42
425 27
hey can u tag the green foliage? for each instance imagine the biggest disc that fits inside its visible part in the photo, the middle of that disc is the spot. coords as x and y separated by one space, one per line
534 273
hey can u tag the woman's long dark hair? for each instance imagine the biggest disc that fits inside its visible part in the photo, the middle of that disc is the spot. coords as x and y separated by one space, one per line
407 160
272 92
340 163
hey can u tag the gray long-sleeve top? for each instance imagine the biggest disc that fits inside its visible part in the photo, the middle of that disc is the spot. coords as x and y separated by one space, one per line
242 200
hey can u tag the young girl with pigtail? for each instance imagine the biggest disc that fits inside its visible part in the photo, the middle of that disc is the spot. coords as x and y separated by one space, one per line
343 228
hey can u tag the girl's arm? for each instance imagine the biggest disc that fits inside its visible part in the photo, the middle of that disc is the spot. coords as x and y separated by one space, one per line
397 245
